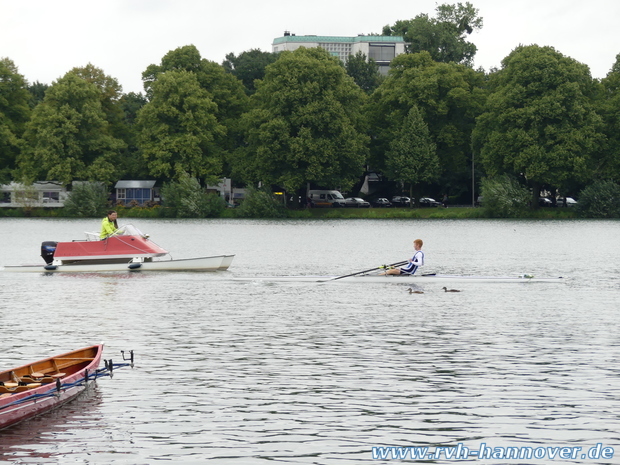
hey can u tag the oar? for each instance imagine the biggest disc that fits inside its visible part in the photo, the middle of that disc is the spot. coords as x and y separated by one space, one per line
366 271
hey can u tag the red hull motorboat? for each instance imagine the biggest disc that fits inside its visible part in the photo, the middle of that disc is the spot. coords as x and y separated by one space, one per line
113 248
117 253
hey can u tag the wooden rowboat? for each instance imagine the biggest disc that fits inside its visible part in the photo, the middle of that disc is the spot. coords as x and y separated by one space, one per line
39 387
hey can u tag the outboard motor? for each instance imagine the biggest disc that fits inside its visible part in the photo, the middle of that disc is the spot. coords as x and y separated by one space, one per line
47 251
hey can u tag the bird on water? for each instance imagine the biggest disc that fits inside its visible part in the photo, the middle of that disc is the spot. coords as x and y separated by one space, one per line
450 290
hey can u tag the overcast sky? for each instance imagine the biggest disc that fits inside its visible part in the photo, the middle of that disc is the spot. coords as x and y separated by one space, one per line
45 39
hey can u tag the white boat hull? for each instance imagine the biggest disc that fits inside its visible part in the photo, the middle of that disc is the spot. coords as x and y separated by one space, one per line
214 263
408 279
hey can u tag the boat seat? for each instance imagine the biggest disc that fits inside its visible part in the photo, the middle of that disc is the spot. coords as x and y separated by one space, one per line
92 236
4 390
6 394
20 389
58 375
33 385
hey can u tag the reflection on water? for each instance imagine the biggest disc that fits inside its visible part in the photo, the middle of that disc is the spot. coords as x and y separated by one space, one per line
254 372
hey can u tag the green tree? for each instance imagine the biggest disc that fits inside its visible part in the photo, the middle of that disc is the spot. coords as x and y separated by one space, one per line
132 164
443 37
364 72
504 197
449 97
87 199
68 137
37 91
412 157
306 126
601 199
188 199
179 129
14 113
260 203
539 120
249 66
607 161
110 92
224 89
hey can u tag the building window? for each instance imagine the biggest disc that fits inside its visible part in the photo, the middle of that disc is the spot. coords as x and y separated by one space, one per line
51 197
381 52
140 195
121 194
5 197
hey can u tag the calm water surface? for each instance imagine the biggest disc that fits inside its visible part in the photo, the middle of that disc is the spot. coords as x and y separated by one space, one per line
252 372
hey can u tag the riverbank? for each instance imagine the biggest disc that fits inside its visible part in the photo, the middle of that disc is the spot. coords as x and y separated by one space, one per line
323 213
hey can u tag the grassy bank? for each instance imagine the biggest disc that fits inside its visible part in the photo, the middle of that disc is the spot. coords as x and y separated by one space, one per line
324 213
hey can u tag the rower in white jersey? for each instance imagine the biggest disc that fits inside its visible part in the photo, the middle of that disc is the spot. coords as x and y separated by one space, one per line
414 262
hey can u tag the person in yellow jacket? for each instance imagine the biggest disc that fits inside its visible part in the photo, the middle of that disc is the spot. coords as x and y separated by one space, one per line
109 225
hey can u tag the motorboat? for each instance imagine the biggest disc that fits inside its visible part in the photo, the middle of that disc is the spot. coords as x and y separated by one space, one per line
117 253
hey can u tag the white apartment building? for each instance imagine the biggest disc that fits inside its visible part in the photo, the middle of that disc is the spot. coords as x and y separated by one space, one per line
382 49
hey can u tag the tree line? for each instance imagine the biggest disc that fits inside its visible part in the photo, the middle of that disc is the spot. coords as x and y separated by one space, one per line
433 125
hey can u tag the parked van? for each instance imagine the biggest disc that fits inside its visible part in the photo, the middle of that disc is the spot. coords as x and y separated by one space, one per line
325 198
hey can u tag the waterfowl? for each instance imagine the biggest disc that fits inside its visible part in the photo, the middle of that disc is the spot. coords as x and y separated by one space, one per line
450 290
411 291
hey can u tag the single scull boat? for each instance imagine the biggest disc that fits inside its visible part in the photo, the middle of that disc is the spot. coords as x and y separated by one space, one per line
407 279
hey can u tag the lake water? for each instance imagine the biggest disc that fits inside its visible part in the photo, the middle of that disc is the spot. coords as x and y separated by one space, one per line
258 372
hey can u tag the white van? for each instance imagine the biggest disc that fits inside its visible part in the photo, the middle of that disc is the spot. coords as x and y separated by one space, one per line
325 198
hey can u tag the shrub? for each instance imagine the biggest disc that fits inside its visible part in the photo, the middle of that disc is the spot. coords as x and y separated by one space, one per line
599 200
189 200
88 199
260 203
504 197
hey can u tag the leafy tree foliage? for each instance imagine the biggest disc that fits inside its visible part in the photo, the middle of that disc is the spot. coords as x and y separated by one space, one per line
607 161
504 197
364 72
306 125
179 129
412 157
601 199
68 137
249 66
260 203
449 97
37 91
443 37
539 120
189 200
87 199
14 113
224 89
132 164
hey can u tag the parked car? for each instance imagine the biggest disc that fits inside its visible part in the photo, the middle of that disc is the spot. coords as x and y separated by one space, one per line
381 203
428 202
545 202
356 202
566 201
401 201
